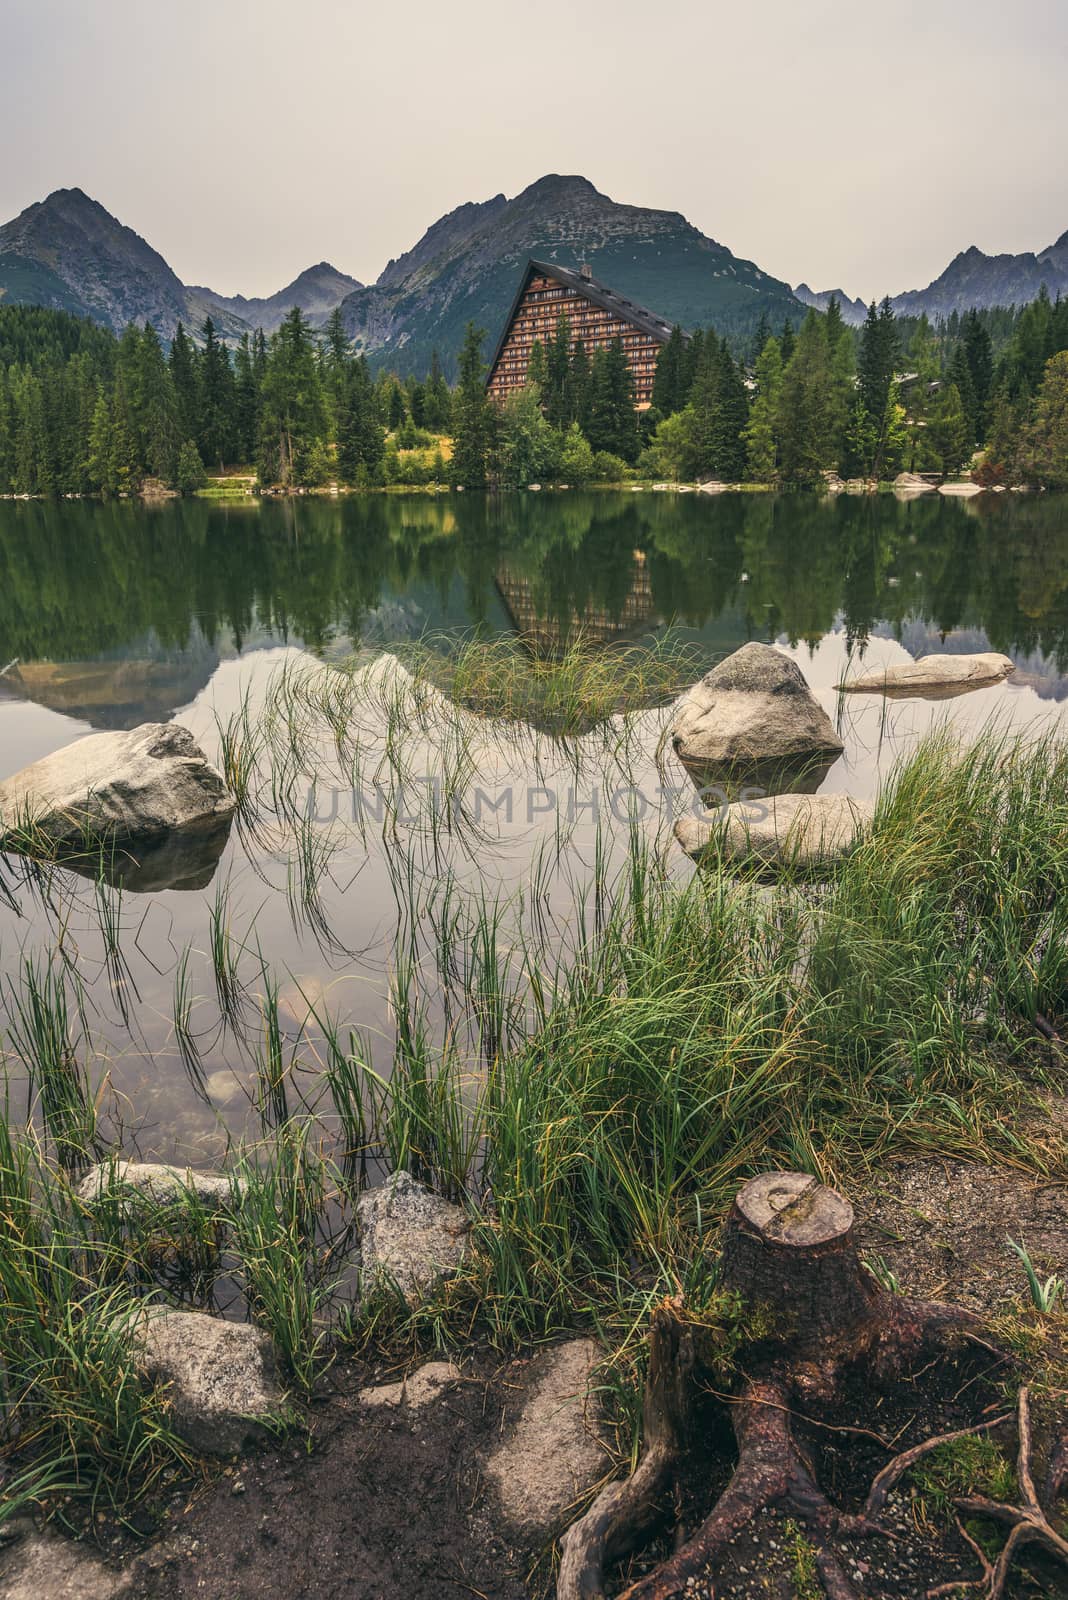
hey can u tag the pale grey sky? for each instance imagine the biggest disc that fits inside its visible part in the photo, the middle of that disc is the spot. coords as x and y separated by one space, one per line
838 141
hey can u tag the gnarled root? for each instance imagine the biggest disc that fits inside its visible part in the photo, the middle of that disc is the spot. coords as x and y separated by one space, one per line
788 1248
772 1470
624 1511
1028 1520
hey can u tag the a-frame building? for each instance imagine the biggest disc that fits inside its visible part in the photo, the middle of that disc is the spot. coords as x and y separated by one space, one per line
596 314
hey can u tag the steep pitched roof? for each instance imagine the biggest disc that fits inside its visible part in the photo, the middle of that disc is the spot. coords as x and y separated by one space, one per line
600 295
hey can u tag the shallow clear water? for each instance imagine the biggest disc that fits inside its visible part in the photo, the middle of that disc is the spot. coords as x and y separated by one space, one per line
116 615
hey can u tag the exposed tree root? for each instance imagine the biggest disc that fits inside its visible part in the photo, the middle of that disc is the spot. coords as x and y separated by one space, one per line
788 1249
1028 1520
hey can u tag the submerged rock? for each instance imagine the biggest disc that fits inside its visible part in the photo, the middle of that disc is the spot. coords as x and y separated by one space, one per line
409 1237
112 788
752 710
221 1382
156 1184
935 677
794 830
556 1453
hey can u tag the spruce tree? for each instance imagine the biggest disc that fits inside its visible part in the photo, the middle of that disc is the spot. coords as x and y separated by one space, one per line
669 377
473 416
761 434
183 364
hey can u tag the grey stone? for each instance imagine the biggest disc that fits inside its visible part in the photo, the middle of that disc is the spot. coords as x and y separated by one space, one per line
935 677
797 830
156 1183
118 786
409 1236
753 708
418 1389
220 1376
556 1453
45 1566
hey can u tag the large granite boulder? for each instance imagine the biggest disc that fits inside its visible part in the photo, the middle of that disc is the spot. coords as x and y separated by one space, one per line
754 710
555 1452
791 831
410 1237
936 677
220 1376
115 787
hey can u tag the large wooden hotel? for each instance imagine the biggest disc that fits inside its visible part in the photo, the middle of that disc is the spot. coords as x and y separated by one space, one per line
596 314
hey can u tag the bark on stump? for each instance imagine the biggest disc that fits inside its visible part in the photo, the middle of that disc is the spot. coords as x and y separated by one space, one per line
817 1315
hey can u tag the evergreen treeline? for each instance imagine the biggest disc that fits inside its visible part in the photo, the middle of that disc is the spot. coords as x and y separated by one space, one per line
82 412
870 403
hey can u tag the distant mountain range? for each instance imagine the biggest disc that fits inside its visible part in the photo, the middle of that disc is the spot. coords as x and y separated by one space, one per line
467 266
971 279
69 253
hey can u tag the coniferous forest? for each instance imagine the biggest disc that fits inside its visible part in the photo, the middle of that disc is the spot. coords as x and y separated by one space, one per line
84 412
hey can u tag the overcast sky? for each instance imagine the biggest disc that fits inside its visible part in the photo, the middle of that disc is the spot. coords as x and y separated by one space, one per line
835 141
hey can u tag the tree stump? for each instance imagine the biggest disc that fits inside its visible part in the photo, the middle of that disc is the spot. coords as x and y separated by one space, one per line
817 1316
789 1247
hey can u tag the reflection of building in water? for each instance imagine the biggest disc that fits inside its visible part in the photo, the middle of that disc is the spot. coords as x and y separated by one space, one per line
635 616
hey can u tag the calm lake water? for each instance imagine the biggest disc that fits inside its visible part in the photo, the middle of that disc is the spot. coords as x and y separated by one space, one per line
114 615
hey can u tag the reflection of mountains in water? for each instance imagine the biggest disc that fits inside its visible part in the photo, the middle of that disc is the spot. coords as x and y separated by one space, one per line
632 617
1035 670
146 683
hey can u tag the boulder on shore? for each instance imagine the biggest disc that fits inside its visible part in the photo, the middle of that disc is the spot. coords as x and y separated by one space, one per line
754 709
793 831
409 1237
935 677
959 491
555 1454
155 1183
220 1376
113 787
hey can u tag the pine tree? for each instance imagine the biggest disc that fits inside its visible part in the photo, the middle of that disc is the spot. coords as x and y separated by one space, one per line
948 430
190 474
99 459
473 416
246 401
980 356
158 423
806 423
556 395
1047 438
293 415
183 365
670 374
761 435
959 376
580 385
215 400
361 437
613 424
788 340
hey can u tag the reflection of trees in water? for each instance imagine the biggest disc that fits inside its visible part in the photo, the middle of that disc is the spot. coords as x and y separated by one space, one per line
79 580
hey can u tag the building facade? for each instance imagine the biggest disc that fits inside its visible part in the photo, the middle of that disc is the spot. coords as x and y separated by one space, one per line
595 314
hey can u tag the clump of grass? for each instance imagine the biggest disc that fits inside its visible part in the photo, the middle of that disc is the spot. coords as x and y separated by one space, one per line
42 1030
74 1406
279 1198
565 691
803 1569
973 1465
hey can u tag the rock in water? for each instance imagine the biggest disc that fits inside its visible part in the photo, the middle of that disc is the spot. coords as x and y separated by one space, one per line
794 830
555 1453
114 786
752 710
220 1376
934 677
154 1184
409 1237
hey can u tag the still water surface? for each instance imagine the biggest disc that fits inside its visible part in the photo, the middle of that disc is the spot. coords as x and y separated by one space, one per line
114 615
